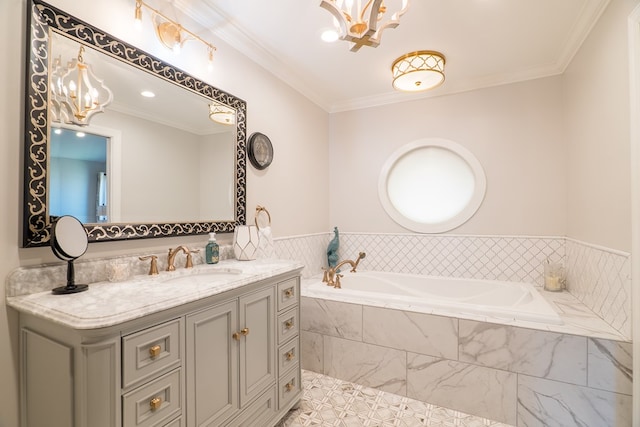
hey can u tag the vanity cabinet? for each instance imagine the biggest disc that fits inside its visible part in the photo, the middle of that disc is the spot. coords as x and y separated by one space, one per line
231 359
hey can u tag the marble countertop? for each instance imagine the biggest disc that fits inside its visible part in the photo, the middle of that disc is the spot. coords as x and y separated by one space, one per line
577 318
106 304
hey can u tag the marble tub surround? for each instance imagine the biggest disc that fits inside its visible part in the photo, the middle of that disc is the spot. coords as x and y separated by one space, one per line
328 401
483 368
598 277
106 304
577 318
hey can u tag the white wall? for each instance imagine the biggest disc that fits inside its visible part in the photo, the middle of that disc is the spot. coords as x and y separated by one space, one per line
596 96
514 130
297 179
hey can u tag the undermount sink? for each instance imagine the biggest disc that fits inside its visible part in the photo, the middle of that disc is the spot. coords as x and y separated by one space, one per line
204 276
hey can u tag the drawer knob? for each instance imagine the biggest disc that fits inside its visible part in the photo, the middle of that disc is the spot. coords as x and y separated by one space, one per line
155 403
288 324
289 355
154 351
288 293
289 386
243 331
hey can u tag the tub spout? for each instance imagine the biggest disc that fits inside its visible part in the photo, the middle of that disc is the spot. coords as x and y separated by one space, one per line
331 276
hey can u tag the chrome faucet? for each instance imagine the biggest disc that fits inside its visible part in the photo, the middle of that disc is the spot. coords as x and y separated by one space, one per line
332 276
172 256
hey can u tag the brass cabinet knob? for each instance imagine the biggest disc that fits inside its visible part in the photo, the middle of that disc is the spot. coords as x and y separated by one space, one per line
288 293
288 324
289 355
154 351
155 403
243 331
289 386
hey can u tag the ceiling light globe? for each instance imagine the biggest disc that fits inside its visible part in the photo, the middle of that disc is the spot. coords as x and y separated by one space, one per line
418 71
329 36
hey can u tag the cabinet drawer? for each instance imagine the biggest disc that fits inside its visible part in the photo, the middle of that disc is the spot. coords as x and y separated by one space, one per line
154 403
148 353
288 325
289 387
175 423
259 412
287 293
288 356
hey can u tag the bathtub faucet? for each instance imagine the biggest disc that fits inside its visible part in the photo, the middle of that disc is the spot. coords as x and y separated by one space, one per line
331 276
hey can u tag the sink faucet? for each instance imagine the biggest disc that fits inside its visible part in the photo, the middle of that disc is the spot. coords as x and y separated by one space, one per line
172 256
331 276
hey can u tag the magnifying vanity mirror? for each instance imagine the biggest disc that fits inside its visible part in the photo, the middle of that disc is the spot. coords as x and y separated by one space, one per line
143 168
69 242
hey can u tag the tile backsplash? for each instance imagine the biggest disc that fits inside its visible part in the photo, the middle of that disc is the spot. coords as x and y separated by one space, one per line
599 277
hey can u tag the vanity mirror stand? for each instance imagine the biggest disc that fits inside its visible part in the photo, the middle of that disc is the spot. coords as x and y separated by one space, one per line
69 242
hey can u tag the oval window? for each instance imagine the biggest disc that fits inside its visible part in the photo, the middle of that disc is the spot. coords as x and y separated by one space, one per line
431 185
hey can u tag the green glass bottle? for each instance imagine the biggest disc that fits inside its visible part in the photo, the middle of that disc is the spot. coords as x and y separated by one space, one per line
212 251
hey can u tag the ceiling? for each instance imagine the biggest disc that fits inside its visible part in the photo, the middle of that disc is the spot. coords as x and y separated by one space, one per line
485 42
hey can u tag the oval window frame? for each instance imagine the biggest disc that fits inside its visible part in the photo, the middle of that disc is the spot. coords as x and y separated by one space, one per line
453 222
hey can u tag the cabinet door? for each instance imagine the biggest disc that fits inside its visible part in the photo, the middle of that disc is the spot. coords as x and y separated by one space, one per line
257 347
212 365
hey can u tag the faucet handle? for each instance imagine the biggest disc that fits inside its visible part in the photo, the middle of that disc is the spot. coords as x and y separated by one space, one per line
153 269
337 284
189 262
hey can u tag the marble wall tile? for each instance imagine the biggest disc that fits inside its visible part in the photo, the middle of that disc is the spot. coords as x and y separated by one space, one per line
333 318
486 392
545 403
366 364
311 351
610 365
538 353
310 250
416 332
601 279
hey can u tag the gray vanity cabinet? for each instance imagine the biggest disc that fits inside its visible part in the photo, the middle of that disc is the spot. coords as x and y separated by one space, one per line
229 359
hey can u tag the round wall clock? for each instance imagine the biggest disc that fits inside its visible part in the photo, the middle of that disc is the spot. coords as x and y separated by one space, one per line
260 150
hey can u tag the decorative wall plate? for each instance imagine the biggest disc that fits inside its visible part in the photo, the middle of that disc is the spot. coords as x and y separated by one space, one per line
260 150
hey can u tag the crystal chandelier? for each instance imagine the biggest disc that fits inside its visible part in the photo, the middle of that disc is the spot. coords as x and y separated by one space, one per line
76 93
363 25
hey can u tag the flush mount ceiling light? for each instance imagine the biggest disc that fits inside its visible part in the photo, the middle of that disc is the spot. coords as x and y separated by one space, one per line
76 93
363 25
417 71
220 113
171 34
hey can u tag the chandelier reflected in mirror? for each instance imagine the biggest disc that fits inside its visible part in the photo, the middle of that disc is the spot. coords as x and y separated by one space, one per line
76 93
363 21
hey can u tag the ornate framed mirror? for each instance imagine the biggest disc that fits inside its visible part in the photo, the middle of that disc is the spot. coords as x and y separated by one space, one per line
218 182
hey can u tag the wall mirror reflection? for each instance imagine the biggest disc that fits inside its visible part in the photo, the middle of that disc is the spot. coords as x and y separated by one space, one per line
163 166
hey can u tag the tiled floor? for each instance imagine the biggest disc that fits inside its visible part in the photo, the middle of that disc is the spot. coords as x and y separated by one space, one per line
329 401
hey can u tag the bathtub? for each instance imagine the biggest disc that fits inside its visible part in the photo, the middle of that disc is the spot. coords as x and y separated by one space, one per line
446 296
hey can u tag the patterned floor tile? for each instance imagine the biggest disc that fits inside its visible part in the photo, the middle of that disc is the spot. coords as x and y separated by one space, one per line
330 402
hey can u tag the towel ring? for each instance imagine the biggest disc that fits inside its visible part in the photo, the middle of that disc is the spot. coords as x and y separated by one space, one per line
262 209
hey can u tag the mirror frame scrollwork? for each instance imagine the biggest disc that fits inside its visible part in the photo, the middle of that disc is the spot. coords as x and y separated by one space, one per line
36 222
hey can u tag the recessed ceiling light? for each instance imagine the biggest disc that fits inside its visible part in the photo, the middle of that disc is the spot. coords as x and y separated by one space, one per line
80 134
57 131
147 94
329 35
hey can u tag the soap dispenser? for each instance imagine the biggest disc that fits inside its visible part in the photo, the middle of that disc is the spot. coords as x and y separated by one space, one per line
212 252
